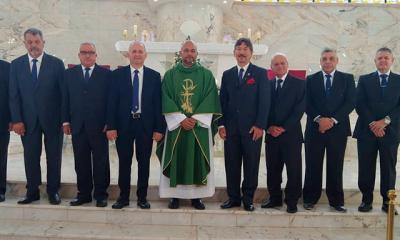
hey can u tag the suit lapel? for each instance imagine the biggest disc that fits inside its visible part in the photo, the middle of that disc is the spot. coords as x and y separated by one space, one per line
376 83
336 84
81 79
42 71
285 87
145 86
235 75
247 74
26 72
321 86
128 81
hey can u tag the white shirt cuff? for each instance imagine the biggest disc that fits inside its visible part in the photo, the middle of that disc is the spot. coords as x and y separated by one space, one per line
336 122
66 123
317 117
174 120
204 119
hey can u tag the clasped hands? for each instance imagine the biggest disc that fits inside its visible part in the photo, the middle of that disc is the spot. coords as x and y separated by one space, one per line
276 131
188 123
325 124
378 128
257 133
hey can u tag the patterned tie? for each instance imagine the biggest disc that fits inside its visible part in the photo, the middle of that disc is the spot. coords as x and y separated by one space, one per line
135 88
383 83
279 88
87 75
240 76
34 72
328 85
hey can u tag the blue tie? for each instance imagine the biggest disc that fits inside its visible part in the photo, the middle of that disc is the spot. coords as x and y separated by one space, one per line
328 85
87 75
279 88
34 72
240 76
135 88
383 83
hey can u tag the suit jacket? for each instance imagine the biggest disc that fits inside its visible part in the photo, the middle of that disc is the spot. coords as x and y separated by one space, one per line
29 103
340 104
5 117
120 101
246 105
372 106
287 110
86 103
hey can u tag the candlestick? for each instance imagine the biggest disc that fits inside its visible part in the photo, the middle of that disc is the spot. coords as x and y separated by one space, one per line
240 35
125 33
144 33
258 37
249 33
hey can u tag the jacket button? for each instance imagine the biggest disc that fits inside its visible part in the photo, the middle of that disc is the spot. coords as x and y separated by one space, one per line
238 111
84 91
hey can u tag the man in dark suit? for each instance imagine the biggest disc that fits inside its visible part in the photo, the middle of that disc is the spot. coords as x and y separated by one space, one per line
84 108
378 128
5 125
36 81
134 115
245 100
331 97
284 137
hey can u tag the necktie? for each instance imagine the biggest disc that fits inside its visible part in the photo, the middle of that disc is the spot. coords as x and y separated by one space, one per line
34 72
383 83
279 88
240 76
135 88
328 85
87 75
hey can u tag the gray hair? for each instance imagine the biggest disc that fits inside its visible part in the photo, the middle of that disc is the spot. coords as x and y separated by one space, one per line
278 54
384 49
88 43
33 31
195 45
137 42
246 41
328 50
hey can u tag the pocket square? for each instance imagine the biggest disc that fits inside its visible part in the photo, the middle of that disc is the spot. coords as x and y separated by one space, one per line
251 81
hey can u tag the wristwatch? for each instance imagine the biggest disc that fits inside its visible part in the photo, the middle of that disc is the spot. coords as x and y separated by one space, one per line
387 120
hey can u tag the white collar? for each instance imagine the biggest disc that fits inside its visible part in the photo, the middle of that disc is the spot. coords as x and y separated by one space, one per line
133 69
38 58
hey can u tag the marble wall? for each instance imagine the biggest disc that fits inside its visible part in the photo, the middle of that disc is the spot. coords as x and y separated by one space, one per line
298 30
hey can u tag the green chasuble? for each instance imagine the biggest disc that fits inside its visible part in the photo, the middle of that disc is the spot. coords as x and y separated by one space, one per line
190 91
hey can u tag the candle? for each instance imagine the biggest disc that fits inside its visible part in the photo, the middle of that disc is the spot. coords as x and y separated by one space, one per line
258 35
240 35
249 33
125 32
135 29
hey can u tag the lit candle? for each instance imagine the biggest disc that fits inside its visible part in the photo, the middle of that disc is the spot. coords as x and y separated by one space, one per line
258 35
125 32
135 29
249 33
240 35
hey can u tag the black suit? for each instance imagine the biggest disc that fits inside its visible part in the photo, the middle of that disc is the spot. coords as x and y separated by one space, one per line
339 105
39 108
243 107
85 108
286 111
130 129
372 106
5 118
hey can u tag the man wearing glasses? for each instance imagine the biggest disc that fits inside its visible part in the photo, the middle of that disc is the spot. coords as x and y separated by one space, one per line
84 104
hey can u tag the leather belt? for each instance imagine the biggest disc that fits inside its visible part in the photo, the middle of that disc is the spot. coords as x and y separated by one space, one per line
136 115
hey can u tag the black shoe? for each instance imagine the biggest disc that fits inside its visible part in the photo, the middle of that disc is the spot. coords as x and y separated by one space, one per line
308 206
101 203
365 207
249 207
2 198
121 203
143 203
55 199
341 209
230 204
271 204
291 209
79 201
198 204
174 203
385 208
29 198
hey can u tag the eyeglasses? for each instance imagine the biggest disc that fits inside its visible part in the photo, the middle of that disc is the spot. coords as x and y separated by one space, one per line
85 53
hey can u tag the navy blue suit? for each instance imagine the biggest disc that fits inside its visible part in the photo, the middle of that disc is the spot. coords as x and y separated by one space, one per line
286 111
5 118
85 108
339 105
139 130
373 106
39 108
243 107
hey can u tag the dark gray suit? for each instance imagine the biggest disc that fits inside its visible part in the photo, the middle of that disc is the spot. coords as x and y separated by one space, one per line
4 120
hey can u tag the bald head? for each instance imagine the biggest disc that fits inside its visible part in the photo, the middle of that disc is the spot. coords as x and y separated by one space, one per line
279 64
188 53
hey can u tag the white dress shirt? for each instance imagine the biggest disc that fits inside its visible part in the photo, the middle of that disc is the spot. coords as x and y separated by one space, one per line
387 78
38 63
283 81
84 71
140 74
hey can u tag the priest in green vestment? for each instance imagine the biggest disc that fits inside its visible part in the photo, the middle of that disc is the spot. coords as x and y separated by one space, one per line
191 106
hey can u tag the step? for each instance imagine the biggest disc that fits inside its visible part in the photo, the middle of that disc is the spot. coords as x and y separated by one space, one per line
186 215
69 190
38 230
